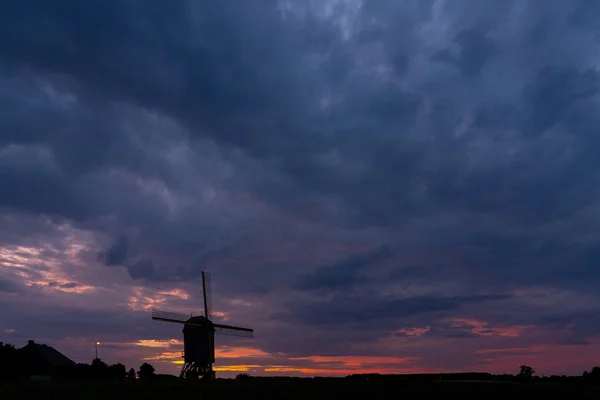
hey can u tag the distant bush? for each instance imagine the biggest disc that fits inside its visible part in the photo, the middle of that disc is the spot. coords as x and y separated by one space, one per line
146 372
165 377
525 373
9 366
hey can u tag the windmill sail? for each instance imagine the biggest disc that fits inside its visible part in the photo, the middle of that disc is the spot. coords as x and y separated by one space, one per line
207 294
229 330
168 316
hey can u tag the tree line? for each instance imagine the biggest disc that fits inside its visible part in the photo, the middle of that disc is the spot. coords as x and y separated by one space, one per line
100 370
525 374
13 366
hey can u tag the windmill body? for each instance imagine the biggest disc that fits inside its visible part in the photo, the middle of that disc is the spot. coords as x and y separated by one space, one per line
199 336
198 339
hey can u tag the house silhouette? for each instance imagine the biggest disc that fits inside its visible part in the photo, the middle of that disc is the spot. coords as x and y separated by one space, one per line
41 359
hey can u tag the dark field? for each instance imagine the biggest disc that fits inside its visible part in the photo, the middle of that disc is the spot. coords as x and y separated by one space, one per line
297 389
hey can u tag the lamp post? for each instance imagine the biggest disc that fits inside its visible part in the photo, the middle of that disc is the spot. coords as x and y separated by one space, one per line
97 343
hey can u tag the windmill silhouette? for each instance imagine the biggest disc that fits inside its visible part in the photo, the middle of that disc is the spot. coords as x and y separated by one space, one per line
199 336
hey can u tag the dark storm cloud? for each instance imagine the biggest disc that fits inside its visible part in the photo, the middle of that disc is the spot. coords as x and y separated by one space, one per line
239 136
342 275
358 310
383 198
212 96
119 253
475 50
142 269
116 254
146 55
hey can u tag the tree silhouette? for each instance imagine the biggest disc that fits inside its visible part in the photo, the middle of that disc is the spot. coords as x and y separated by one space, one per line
98 369
6 347
82 371
98 364
131 374
117 372
146 371
525 373
9 362
593 375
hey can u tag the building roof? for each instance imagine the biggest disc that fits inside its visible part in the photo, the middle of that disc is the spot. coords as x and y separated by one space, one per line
43 356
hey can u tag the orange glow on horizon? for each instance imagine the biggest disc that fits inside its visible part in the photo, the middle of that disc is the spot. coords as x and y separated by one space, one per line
170 356
174 357
239 352
545 359
354 361
269 363
236 368
159 343
344 372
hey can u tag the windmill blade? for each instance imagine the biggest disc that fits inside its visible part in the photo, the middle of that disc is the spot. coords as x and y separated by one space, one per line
207 290
168 316
230 330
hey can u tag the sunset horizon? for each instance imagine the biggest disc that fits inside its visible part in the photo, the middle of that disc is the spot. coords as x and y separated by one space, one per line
376 186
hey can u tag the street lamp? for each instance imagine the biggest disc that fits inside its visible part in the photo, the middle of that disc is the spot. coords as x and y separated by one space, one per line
97 343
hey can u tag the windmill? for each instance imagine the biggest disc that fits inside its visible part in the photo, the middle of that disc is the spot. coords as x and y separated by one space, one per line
199 336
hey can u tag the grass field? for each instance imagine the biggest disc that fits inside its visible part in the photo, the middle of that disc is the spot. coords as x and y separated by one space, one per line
296 389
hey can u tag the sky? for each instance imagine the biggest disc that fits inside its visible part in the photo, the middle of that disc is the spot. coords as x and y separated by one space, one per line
375 186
